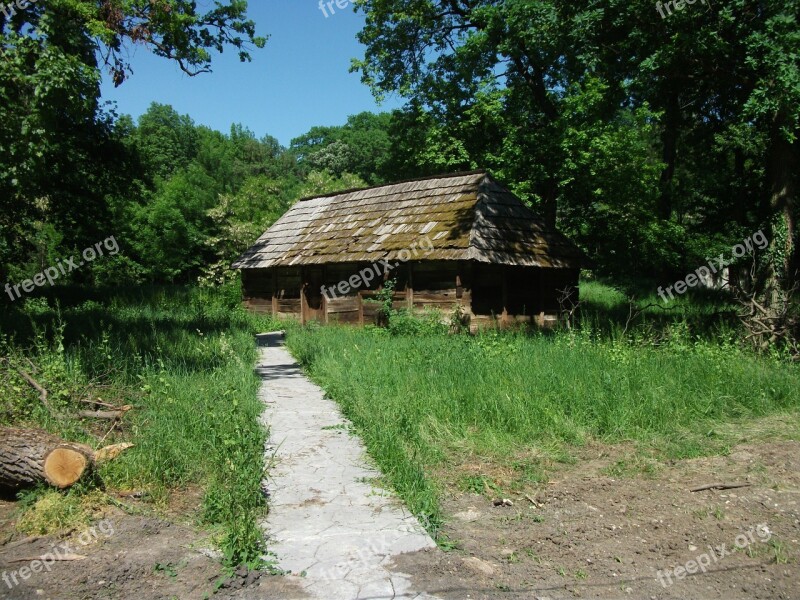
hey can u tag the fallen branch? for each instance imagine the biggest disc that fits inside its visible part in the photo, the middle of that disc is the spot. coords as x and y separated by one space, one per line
112 428
109 415
720 486
42 392
635 311
55 557
98 403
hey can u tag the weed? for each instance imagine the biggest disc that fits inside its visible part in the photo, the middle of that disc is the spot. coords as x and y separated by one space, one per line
168 569
634 467
446 544
47 512
530 553
479 484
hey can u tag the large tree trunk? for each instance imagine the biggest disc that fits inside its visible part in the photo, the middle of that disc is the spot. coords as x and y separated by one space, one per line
32 456
783 164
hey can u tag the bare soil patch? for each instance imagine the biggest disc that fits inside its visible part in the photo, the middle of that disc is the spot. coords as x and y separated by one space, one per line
595 533
146 558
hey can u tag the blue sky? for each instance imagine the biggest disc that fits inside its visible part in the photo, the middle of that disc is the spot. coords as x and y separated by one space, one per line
300 79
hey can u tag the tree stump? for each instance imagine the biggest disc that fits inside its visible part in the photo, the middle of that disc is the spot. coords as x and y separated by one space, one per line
32 456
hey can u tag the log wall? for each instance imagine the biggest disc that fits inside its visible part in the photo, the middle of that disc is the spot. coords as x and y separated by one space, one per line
490 295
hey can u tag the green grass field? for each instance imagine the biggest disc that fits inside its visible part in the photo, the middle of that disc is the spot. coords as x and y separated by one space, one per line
422 402
184 359
671 383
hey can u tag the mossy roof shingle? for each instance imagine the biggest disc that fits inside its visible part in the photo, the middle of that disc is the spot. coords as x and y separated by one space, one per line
465 216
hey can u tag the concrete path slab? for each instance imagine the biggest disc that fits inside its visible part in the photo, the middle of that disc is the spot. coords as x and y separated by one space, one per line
335 532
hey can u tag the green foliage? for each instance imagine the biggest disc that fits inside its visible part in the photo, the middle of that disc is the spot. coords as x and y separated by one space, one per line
384 298
62 161
611 175
403 321
360 147
172 228
166 141
320 183
652 140
184 359
407 323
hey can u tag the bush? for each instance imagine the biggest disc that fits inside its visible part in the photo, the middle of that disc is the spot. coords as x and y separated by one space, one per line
404 322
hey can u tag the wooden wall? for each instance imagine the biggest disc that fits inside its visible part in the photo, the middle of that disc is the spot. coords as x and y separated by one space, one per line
489 294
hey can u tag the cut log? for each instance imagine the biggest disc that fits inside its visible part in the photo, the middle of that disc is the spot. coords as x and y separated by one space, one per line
32 456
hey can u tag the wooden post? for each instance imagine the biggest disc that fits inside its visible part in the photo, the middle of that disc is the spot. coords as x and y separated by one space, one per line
469 270
274 292
410 288
303 300
324 296
504 317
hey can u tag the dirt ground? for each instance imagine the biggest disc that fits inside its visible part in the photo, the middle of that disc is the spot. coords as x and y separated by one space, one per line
145 558
589 533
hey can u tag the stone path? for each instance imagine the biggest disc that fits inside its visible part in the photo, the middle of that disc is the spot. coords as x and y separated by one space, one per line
327 525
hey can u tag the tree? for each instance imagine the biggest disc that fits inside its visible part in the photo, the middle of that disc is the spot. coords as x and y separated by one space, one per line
361 147
719 86
169 233
455 57
59 156
166 141
321 183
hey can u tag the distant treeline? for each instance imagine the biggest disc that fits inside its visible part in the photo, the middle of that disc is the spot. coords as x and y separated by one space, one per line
654 143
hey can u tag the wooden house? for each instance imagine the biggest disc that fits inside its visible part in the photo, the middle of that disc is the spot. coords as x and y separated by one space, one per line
460 240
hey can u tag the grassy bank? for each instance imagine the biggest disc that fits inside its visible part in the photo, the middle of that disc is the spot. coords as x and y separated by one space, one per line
423 402
183 358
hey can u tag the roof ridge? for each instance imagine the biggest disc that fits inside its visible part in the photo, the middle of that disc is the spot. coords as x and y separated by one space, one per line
402 181
482 195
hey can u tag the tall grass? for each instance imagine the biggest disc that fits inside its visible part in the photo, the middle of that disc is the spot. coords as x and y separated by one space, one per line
184 359
418 401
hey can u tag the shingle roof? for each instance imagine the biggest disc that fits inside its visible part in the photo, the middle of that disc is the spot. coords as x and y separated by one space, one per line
466 216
